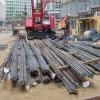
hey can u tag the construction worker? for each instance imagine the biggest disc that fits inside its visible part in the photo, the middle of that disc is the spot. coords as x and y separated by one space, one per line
65 29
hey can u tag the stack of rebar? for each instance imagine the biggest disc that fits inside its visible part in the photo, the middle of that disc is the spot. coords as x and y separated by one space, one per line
23 66
55 65
6 65
44 60
75 64
82 54
72 73
43 65
86 48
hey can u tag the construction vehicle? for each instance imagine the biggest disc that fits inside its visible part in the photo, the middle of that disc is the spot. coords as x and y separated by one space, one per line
39 25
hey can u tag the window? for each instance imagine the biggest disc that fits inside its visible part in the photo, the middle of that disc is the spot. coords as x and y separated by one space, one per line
96 13
57 7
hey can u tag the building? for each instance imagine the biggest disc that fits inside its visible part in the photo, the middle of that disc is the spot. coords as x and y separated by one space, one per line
15 8
2 13
81 12
72 7
53 8
89 20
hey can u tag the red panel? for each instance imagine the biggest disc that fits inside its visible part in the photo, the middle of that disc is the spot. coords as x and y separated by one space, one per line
29 22
52 22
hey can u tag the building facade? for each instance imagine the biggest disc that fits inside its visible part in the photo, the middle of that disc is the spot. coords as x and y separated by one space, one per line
53 8
84 15
2 12
72 7
15 8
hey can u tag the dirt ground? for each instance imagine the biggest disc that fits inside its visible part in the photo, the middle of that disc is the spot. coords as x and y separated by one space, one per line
51 91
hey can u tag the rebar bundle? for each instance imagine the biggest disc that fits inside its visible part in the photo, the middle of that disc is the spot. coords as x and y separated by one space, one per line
43 65
81 54
45 60
55 65
87 49
78 67
32 63
22 80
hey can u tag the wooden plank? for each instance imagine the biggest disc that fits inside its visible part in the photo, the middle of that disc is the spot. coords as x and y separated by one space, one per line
63 68
91 61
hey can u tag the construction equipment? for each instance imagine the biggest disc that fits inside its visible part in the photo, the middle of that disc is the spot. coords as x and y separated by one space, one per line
40 25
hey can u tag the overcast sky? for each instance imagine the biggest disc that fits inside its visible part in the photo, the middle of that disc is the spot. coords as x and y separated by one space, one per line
2 1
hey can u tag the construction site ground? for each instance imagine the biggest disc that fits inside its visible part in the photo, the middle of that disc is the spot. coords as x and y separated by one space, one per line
50 91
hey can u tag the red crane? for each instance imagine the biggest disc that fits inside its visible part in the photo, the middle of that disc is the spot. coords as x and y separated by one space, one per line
37 26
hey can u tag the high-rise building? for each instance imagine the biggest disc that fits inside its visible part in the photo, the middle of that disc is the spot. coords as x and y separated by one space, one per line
15 8
2 11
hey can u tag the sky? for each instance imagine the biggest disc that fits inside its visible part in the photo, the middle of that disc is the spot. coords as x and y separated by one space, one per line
2 1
